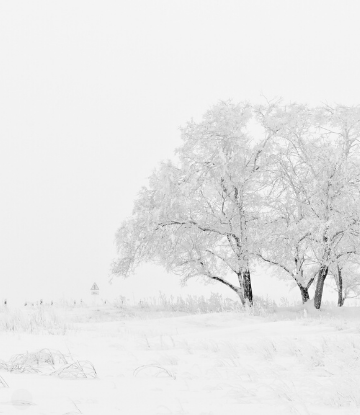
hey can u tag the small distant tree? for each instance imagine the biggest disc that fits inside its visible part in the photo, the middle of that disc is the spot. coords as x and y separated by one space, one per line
198 217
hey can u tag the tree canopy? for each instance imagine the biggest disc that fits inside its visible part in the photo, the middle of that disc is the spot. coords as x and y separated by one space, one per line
273 183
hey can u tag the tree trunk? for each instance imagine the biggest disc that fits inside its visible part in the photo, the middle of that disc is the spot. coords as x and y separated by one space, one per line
340 288
323 271
239 292
304 293
248 296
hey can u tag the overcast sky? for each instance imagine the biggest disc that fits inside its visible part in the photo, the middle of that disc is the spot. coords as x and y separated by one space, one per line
92 95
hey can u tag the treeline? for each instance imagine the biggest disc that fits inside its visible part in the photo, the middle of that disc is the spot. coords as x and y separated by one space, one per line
276 184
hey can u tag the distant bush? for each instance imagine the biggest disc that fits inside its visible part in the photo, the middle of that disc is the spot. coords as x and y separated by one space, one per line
262 306
42 319
216 303
120 302
190 304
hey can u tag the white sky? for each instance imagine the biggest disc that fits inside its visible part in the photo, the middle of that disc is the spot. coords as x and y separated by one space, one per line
92 94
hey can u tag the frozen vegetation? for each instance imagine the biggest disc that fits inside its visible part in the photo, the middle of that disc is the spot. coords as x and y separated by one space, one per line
275 184
173 356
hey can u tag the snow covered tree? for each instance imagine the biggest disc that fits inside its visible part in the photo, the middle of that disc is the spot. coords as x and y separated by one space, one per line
347 280
323 172
346 272
284 239
337 202
198 217
275 182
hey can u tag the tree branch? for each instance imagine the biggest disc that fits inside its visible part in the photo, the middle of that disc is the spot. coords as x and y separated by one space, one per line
194 223
220 257
274 263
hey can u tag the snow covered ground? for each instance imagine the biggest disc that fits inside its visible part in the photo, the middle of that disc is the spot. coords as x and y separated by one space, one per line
286 362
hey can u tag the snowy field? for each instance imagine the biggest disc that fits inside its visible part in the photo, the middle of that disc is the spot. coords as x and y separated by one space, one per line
144 362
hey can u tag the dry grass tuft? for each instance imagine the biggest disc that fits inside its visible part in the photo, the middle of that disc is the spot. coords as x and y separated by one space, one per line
3 384
51 362
154 370
80 369
35 362
41 320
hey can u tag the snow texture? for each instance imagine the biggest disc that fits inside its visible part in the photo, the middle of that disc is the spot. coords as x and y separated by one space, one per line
285 362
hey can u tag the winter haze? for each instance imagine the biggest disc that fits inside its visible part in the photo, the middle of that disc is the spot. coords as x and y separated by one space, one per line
92 96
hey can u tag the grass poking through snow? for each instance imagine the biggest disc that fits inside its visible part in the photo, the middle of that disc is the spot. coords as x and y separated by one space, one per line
50 362
156 360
